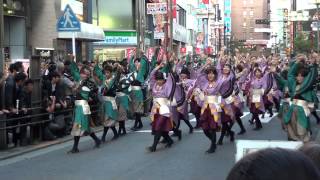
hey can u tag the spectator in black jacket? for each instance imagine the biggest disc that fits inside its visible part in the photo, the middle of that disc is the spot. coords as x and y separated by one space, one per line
26 104
12 94
10 88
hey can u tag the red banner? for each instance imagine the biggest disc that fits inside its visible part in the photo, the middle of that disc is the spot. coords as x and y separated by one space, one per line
150 53
130 52
198 51
183 50
174 9
205 1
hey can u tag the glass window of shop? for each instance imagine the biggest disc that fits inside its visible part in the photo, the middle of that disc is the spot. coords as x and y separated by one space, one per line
113 14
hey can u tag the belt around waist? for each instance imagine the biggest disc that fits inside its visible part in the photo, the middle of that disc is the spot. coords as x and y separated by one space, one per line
136 88
257 91
162 101
300 102
108 98
81 103
213 99
85 106
120 94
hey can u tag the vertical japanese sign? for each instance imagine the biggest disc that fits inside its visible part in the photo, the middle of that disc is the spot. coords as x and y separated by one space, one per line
158 10
227 17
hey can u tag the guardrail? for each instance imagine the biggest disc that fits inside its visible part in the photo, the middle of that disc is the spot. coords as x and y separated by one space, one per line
33 119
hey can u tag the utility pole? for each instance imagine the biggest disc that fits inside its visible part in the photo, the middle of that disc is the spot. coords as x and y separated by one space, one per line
166 30
171 25
1 37
318 30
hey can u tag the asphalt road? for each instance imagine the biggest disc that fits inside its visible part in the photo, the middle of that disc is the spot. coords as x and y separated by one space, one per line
127 158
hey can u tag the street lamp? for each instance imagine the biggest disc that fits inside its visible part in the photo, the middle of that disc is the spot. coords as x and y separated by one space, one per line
317 2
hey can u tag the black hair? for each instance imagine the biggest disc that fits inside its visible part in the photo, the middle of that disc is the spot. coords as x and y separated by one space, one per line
275 164
87 63
303 71
20 77
53 75
137 59
229 66
85 68
239 68
67 63
28 81
211 69
185 71
107 68
12 68
312 150
159 75
19 65
257 69
52 67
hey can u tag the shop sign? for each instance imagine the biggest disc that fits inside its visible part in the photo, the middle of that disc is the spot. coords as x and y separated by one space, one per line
120 38
179 33
157 8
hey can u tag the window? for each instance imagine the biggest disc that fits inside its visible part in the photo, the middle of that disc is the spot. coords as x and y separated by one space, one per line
115 17
251 13
244 13
182 19
244 24
244 2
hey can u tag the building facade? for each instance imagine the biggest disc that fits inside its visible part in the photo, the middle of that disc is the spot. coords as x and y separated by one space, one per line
244 15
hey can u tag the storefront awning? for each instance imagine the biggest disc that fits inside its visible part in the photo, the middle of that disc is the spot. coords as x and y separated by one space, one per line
88 32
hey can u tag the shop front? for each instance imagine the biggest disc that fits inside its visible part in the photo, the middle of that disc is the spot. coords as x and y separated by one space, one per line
179 39
117 45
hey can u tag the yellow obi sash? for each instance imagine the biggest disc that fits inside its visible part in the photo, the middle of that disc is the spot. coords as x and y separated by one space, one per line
85 106
216 100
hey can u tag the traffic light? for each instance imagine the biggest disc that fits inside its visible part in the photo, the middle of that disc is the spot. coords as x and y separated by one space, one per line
262 21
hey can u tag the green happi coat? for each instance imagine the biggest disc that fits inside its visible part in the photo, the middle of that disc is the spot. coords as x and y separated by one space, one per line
303 91
109 102
139 75
81 125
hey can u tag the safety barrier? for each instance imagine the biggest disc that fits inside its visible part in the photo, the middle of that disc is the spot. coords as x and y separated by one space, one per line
31 120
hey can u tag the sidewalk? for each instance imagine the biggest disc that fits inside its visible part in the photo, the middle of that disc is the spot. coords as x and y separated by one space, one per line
13 152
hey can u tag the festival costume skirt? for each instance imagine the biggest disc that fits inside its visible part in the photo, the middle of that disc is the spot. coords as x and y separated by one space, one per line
110 112
161 115
295 129
81 124
210 118
137 104
194 107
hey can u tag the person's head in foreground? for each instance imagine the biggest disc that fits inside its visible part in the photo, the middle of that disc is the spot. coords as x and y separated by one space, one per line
277 164
312 150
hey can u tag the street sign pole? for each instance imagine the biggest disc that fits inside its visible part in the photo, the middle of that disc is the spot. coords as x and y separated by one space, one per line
74 46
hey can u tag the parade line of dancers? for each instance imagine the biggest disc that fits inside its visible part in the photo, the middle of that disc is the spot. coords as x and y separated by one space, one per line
214 91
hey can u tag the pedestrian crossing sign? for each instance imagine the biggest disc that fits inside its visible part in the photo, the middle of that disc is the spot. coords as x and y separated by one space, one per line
68 22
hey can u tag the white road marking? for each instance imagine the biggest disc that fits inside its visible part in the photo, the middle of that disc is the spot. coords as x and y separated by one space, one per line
267 118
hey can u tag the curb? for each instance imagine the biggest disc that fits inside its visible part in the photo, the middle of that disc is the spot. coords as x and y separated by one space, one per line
42 146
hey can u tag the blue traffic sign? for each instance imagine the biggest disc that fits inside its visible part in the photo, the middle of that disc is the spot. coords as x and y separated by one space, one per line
68 22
